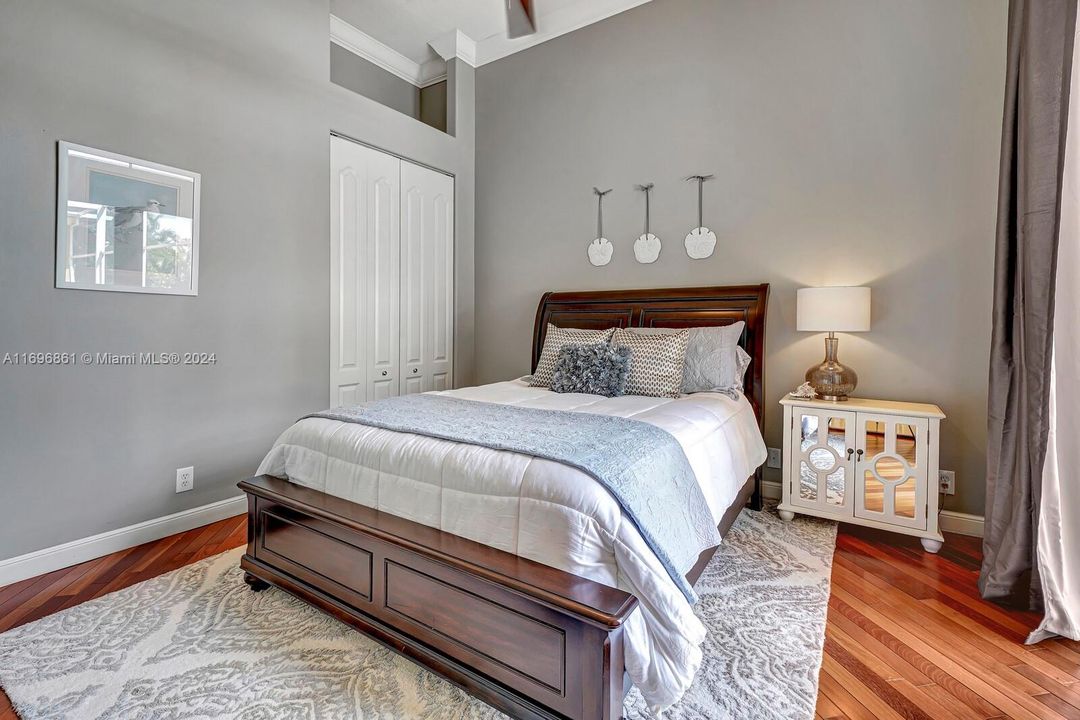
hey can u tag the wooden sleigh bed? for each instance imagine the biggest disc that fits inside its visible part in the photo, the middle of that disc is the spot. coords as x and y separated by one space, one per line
529 639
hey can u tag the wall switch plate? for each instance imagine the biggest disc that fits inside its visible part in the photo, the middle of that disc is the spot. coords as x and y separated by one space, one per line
185 479
776 459
947 482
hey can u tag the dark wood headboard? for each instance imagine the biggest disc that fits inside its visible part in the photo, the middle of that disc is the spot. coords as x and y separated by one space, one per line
668 307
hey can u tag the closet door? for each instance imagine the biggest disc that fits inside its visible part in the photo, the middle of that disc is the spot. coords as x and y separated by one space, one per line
427 279
364 273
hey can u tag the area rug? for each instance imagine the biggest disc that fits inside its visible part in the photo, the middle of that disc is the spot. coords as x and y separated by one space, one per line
197 643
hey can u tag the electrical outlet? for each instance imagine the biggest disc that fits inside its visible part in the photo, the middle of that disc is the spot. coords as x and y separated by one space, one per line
185 479
776 460
947 482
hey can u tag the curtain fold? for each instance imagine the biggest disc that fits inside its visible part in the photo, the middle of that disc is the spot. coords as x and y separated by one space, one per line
1058 546
1039 61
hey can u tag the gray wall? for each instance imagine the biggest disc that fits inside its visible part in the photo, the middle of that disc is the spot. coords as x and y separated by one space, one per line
351 71
854 142
433 105
240 92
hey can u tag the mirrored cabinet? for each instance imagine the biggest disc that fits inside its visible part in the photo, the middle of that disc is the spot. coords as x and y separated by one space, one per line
867 462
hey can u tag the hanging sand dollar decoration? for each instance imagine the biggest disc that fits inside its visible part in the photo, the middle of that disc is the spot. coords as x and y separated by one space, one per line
647 246
701 241
600 249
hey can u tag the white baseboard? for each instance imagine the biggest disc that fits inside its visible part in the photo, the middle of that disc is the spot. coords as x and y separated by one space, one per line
961 523
77 551
950 521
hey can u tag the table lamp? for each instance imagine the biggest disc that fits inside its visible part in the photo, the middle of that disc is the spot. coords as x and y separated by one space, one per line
833 310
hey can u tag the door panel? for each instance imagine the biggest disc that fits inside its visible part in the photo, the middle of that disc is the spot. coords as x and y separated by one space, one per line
427 279
364 269
891 470
347 210
823 442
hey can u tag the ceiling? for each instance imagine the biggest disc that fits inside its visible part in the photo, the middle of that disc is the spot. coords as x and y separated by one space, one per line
408 25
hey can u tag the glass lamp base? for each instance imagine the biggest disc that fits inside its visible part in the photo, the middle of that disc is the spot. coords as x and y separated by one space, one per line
831 380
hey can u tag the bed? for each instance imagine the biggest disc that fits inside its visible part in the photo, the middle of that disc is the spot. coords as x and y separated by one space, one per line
493 575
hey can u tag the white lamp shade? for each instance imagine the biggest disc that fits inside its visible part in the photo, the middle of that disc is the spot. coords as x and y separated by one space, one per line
833 309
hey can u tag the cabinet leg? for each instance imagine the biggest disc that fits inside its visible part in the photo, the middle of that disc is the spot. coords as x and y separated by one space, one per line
255 583
930 545
787 515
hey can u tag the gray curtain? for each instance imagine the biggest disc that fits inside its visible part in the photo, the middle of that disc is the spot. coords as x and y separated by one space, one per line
1039 60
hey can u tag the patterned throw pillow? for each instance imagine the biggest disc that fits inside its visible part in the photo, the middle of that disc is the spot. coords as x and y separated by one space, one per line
594 369
554 341
656 362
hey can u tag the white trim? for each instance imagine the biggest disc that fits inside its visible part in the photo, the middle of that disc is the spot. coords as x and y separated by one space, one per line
961 523
567 19
432 72
360 43
950 520
455 44
78 551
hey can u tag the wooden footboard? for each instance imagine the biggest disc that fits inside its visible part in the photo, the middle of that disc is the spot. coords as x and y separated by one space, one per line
531 640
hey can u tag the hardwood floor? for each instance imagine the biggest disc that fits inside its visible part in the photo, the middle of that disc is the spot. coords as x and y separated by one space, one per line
907 635
26 601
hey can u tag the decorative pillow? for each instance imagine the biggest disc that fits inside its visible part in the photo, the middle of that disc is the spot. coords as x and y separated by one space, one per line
656 361
713 363
594 369
554 341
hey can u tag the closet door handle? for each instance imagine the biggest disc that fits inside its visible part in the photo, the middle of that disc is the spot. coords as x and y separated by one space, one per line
384 373
415 370
859 453
849 452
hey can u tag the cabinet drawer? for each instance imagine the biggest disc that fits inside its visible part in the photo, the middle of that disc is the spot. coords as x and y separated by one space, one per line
313 554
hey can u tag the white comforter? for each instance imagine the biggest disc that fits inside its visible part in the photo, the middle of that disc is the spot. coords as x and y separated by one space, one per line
540 509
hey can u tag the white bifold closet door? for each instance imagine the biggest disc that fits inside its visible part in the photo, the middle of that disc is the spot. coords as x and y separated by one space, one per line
427 279
391 286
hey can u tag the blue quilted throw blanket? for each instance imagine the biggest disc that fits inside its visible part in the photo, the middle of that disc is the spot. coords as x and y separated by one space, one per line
642 466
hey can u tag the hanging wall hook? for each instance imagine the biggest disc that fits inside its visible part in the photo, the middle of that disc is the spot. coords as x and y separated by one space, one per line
600 209
701 180
600 249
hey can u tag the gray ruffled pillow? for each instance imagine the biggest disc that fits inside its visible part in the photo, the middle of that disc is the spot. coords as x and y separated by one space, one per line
594 369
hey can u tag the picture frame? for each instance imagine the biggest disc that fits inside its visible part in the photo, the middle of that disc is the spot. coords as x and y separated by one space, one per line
124 224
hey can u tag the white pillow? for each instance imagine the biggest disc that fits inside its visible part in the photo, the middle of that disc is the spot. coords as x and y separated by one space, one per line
713 360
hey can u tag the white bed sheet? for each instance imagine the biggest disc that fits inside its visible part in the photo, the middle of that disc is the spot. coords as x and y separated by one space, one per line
541 509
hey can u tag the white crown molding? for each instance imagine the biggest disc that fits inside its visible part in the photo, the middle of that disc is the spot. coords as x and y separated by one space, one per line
431 72
567 19
455 44
360 43
71 553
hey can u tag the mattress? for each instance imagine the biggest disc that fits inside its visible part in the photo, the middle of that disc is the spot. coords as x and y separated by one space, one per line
541 509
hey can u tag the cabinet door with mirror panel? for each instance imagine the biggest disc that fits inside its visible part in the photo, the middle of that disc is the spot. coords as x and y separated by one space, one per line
891 469
822 444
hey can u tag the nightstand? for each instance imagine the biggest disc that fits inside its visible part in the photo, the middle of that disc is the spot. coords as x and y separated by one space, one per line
866 462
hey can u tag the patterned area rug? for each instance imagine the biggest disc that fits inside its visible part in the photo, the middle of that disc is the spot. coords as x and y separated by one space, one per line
196 643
